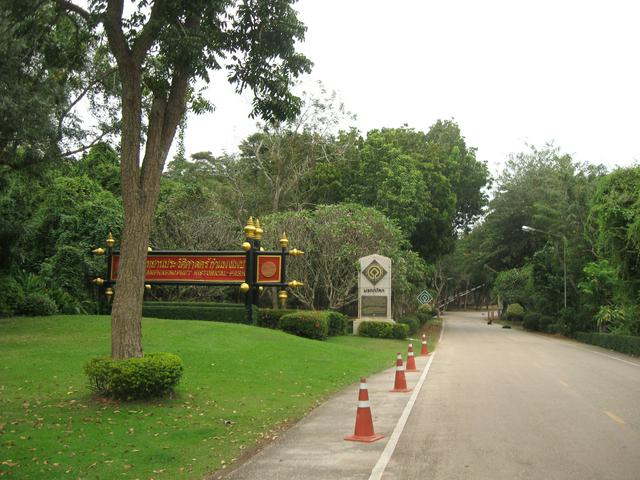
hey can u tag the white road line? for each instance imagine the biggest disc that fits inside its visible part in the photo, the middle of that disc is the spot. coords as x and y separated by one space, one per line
609 356
578 347
614 417
383 461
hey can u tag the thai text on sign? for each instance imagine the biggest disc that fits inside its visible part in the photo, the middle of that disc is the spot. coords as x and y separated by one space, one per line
190 268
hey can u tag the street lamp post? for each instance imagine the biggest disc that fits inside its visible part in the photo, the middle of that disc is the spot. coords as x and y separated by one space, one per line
526 228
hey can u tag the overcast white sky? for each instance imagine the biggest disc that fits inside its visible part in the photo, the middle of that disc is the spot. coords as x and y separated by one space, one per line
508 72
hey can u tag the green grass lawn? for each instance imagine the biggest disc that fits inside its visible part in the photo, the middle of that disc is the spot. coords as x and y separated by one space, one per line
240 385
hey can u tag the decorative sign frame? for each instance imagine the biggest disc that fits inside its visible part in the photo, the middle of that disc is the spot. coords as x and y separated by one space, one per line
251 269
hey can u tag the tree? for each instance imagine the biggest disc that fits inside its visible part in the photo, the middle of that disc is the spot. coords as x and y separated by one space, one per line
429 183
274 170
334 237
49 67
161 49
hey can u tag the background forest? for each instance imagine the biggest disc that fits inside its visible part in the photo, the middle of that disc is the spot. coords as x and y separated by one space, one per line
422 198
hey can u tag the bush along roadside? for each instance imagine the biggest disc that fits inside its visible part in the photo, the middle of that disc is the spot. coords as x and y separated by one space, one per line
383 330
620 343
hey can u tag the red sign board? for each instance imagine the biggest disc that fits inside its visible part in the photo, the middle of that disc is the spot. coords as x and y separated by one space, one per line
190 268
269 269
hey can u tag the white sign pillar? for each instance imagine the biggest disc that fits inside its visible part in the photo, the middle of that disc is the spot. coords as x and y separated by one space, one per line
374 290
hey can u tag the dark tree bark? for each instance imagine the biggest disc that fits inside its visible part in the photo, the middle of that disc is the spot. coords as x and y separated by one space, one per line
140 182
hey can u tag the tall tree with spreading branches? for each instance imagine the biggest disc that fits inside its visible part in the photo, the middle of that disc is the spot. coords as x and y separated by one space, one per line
161 49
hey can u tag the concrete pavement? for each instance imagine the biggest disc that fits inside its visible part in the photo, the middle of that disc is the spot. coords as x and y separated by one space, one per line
315 449
496 403
509 404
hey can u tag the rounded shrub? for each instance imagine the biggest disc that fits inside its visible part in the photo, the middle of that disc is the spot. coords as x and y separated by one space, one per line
399 331
375 329
154 375
37 303
515 312
412 323
531 321
314 325
338 323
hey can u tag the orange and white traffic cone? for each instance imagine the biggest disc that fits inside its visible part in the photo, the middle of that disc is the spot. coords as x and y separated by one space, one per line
411 361
364 423
425 350
400 384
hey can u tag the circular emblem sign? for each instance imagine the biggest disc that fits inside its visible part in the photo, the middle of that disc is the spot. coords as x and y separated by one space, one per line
268 269
374 272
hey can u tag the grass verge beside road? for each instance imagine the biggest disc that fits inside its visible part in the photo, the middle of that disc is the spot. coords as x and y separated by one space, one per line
240 385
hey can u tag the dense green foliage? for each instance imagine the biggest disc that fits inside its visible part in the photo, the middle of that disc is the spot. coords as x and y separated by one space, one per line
620 343
582 217
199 208
314 325
154 375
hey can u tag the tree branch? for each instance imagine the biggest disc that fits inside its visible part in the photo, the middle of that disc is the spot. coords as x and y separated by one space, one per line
72 7
113 27
85 147
149 32
80 96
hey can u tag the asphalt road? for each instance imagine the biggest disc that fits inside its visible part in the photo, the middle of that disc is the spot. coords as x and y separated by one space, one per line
506 404
491 403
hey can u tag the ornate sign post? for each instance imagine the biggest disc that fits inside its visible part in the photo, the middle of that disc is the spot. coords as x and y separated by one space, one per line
250 270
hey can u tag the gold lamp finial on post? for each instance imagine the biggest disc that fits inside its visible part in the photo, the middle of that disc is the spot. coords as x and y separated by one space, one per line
282 296
259 230
284 241
250 229
110 240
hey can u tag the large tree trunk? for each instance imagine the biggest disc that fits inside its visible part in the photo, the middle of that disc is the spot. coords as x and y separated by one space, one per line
140 190
126 315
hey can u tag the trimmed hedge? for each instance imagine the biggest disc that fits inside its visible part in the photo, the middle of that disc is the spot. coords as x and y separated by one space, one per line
412 322
314 325
338 323
270 317
540 323
153 375
620 343
383 330
192 304
230 313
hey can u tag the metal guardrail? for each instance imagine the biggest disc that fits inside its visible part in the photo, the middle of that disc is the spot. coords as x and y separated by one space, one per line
454 297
